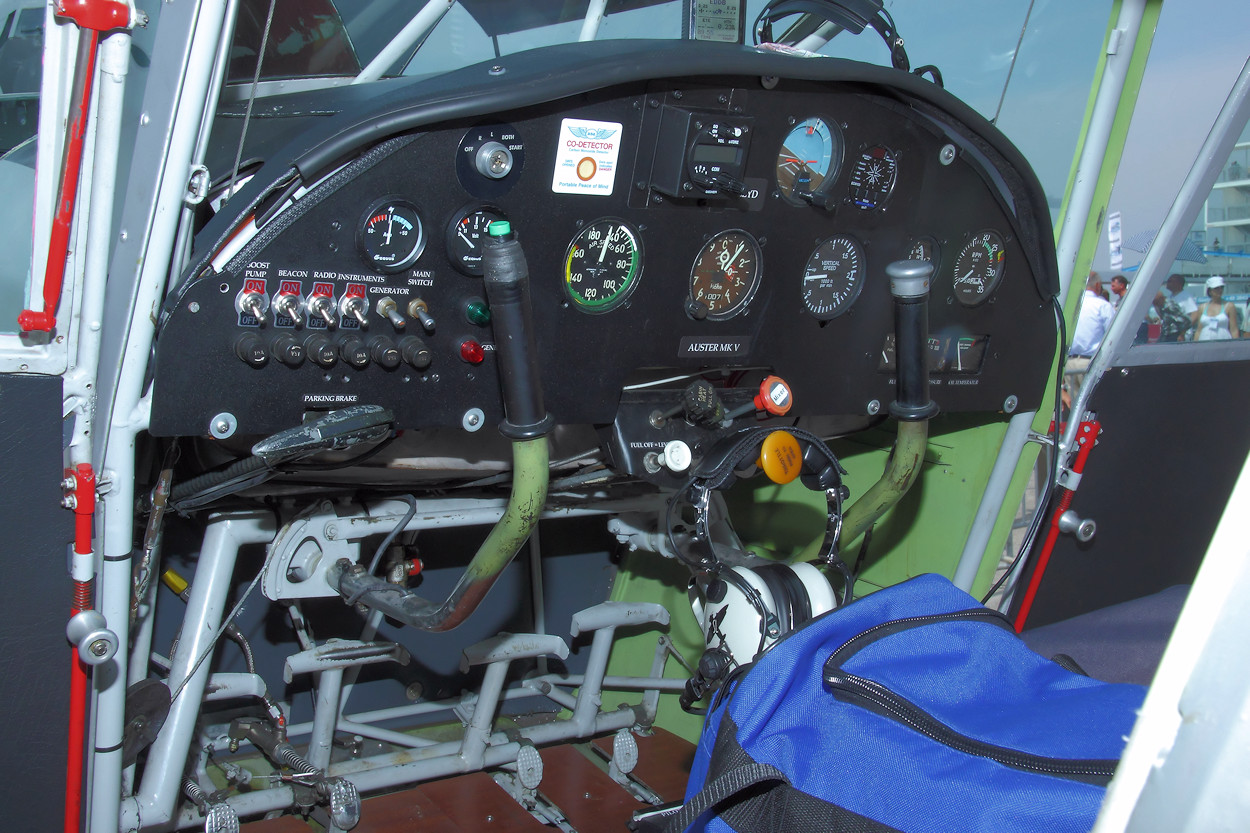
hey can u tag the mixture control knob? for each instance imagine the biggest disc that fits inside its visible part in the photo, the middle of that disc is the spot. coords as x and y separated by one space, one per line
354 352
290 306
415 352
288 351
493 160
321 350
322 306
384 352
388 308
356 307
251 349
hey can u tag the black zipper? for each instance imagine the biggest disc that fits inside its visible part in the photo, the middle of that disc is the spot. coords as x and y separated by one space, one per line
867 637
881 700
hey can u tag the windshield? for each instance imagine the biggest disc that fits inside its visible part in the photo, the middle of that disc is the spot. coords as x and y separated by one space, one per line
1028 66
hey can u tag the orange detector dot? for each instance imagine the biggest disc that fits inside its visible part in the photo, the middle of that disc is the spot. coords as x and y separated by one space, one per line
781 458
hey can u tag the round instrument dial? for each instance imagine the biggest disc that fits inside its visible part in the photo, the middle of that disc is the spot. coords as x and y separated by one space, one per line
391 236
833 277
726 274
872 180
465 234
924 248
979 267
809 159
602 265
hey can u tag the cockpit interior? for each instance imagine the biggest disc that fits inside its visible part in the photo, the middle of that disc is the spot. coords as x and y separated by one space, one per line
437 449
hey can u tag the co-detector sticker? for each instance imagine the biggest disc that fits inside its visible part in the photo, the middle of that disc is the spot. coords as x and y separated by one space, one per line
586 157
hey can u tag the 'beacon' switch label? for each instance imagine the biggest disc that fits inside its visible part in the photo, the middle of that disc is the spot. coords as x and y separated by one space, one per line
586 157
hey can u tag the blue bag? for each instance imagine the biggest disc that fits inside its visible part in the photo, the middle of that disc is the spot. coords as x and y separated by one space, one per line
913 709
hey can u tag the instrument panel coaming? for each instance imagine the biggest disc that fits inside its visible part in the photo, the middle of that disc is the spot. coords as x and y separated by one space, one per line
831 344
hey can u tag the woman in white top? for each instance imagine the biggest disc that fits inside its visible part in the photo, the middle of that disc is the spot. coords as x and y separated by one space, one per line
1216 320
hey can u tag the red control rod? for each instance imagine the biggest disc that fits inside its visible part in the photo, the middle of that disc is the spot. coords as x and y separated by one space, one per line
83 493
92 17
1085 438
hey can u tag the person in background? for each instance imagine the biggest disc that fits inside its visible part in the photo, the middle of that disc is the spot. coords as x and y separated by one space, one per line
1216 320
1175 285
1091 326
1119 286
1173 324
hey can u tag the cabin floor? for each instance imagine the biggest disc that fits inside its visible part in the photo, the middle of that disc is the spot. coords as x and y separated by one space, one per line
575 780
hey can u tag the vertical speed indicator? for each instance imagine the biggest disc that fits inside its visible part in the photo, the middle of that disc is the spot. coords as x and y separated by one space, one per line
833 277
602 265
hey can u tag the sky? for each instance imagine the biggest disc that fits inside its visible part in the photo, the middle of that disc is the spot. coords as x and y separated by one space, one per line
1199 48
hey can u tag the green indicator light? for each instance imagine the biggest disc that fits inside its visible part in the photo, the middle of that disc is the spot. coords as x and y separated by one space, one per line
499 228
477 312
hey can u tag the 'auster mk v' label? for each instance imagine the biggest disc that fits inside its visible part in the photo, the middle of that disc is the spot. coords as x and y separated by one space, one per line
722 346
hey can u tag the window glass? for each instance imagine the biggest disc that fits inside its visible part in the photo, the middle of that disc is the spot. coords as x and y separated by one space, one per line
21 66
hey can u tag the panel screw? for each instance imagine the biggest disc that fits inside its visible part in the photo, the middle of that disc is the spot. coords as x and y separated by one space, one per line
496 70
1009 405
874 407
194 306
947 154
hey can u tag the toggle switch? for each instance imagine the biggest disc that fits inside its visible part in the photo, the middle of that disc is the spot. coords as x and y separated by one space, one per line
420 310
355 306
290 306
390 310
322 306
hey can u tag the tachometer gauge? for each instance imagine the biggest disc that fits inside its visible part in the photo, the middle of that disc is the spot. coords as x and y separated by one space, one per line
809 159
872 180
602 265
833 277
979 268
725 274
465 234
391 236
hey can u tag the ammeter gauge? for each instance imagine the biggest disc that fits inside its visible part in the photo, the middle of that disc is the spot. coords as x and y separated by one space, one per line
602 265
390 235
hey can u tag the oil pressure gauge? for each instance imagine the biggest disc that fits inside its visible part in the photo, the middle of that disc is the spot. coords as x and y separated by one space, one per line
465 233
390 235
602 265
833 277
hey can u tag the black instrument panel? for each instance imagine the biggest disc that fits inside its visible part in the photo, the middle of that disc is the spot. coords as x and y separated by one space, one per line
665 235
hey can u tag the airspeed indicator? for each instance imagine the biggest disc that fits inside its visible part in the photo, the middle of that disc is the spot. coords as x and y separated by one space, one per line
602 265
833 277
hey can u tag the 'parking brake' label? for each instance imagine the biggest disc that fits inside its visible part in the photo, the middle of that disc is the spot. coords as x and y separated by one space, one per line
586 157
